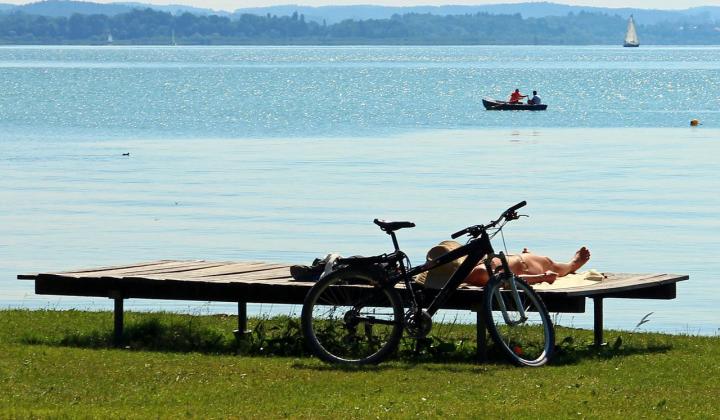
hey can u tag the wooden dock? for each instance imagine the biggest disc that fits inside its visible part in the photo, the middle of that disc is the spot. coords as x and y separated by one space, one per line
259 282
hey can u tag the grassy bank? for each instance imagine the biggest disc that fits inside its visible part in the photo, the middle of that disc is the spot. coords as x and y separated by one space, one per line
59 364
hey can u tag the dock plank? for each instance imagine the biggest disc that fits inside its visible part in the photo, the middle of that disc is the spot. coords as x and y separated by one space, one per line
182 270
276 273
238 269
224 273
120 271
117 267
175 269
626 283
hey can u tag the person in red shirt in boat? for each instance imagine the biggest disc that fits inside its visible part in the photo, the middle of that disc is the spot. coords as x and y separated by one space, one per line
516 96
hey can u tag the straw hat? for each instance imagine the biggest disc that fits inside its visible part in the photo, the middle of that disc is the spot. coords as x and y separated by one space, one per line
438 276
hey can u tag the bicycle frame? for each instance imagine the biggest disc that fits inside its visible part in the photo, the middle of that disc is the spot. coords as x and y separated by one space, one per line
474 251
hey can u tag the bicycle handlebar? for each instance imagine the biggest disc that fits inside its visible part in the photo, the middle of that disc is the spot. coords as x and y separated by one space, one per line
516 207
508 214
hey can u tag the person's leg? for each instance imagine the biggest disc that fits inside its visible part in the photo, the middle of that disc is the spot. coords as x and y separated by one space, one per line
537 264
578 260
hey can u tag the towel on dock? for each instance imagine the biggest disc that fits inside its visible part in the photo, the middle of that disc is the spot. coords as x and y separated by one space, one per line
573 280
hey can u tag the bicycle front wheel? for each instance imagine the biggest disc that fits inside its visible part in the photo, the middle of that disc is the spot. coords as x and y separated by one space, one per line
349 317
518 322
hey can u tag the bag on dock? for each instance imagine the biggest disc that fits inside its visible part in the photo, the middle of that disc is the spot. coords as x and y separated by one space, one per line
313 272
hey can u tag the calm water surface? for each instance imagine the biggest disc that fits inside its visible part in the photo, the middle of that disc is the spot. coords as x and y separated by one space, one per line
284 154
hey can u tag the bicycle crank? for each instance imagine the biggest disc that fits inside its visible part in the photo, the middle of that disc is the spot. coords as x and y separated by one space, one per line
418 323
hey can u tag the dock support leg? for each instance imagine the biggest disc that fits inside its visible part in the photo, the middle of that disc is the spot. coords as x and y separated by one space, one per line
242 321
118 314
481 352
598 321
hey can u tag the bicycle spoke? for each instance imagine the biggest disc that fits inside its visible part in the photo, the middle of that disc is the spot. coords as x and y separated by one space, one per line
353 320
524 333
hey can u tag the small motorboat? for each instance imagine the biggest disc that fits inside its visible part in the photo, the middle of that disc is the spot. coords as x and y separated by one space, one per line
495 105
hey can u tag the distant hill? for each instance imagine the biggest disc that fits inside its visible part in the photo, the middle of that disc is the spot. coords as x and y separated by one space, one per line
58 8
712 12
177 9
334 14
66 8
148 26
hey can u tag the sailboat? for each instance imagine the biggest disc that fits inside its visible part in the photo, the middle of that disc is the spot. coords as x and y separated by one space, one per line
109 38
631 38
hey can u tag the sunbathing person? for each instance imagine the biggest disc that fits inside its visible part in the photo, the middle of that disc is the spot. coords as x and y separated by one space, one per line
532 268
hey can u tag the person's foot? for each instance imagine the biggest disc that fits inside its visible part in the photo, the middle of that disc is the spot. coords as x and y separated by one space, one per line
581 257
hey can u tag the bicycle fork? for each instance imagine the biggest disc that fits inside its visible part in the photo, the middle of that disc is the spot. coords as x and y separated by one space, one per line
514 292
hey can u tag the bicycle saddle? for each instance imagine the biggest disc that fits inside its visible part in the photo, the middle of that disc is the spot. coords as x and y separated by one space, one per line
392 226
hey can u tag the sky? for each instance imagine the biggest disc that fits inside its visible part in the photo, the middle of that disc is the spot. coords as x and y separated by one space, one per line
234 4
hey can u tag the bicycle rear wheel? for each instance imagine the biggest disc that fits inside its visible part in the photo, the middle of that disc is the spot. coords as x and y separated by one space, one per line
524 331
349 317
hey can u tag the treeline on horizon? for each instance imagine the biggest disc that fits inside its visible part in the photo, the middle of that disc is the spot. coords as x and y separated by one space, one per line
150 26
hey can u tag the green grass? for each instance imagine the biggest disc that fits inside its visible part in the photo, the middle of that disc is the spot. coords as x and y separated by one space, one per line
60 364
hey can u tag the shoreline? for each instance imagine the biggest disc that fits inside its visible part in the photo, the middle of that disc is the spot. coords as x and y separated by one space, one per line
254 317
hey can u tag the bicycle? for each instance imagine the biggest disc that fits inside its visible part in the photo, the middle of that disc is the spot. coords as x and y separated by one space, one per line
356 314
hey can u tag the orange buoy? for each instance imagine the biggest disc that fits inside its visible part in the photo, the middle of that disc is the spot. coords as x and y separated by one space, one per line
694 123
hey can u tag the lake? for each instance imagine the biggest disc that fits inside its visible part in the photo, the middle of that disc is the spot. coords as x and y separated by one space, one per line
288 153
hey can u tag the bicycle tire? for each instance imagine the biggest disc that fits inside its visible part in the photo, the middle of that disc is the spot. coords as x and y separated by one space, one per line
528 343
344 303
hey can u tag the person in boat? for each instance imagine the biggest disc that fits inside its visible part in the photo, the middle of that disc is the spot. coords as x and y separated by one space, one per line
516 96
535 100
531 267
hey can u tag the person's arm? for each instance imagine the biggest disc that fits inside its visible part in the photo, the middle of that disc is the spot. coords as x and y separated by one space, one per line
548 276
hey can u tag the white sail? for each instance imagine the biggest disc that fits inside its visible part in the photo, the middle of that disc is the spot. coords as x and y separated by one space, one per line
631 38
